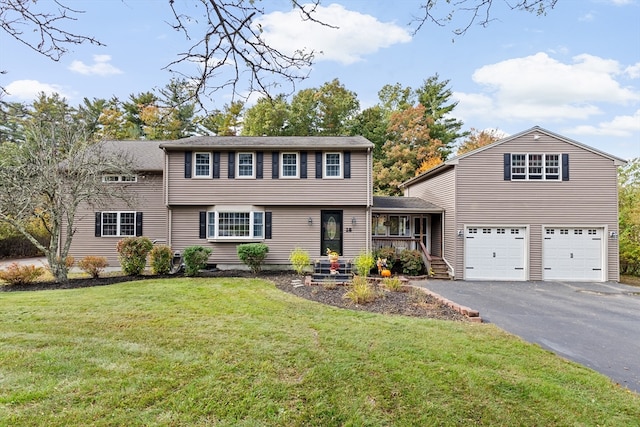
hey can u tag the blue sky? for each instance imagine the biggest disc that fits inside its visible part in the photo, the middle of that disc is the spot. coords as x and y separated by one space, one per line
575 71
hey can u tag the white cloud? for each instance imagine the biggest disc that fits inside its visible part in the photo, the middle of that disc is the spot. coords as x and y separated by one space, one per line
28 90
357 34
633 71
540 88
620 126
587 17
100 67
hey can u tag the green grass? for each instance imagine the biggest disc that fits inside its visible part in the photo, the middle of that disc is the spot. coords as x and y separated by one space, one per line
239 352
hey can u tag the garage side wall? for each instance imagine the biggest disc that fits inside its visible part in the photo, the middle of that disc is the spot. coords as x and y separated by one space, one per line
587 199
441 191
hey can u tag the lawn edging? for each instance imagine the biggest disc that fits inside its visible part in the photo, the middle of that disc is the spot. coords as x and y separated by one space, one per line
471 314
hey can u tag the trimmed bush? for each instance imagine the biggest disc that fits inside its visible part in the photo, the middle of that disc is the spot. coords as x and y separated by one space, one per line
132 254
93 265
195 259
388 253
411 262
363 263
253 255
17 274
299 259
160 259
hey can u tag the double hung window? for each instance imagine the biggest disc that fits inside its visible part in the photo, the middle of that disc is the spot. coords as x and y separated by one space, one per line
202 165
333 165
118 224
246 168
119 178
534 167
289 165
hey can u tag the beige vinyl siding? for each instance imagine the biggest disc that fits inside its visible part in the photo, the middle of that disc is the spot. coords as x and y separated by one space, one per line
588 199
440 190
290 229
282 191
154 221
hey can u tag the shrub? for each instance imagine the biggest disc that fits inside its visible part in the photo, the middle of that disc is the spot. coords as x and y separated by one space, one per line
411 262
388 253
300 259
195 259
363 263
17 274
392 283
160 259
94 265
360 291
132 254
253 255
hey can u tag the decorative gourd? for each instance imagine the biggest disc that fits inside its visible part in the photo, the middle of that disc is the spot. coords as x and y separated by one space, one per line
386 273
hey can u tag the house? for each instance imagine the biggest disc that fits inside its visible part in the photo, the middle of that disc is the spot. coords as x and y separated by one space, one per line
533 206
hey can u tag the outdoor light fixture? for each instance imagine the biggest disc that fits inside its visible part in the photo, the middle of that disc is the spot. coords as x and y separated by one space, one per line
460 233
613 234
353 221
310 221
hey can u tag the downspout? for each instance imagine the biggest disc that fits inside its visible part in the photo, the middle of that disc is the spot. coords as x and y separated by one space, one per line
369 201
165 186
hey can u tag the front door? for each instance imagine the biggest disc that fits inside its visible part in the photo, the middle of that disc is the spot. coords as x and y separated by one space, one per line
331 231
421 231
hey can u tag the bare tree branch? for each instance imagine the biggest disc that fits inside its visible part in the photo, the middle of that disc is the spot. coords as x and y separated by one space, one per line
475 11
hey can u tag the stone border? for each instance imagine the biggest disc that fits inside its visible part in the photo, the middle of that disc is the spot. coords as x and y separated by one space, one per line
472 315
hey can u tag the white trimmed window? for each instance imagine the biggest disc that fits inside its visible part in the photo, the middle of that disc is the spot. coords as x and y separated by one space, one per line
245 167
118 224
289 165
119 178
333 165
235 225
398 225
202 165
535 167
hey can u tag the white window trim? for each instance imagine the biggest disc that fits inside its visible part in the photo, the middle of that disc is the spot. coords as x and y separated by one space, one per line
544 167
119 179
253 165
252 223
282 165
118 224
325 165
195 164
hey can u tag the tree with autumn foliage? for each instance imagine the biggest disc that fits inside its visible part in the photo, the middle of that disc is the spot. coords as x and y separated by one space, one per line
410 143
478 138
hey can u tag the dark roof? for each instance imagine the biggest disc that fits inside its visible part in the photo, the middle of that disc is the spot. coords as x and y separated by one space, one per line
270 142
146 155
405 204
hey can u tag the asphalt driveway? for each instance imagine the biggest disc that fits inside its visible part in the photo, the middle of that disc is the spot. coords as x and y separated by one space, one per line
594 324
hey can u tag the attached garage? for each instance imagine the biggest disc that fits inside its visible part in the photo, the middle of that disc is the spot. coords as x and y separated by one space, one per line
573 254
495 253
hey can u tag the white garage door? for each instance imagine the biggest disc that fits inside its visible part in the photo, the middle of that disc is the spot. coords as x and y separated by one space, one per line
573 254
495 253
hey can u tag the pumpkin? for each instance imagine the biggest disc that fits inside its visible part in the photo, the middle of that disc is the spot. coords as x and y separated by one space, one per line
386 273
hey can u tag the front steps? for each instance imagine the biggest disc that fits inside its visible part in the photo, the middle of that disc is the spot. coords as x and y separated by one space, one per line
439 268
322 273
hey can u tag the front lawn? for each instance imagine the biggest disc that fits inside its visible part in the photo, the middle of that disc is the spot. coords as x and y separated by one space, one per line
239 352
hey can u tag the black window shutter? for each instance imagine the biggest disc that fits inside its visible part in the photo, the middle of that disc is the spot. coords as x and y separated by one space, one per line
507 166
232 164
275 165
303 165
203 225
565 167
318 165
216 165
259 164
347 164
187 164
138 224
98 224
267 225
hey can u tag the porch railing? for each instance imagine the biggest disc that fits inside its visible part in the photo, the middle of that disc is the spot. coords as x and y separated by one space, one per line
399 243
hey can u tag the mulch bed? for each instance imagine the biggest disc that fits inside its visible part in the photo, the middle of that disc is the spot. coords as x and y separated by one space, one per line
409 302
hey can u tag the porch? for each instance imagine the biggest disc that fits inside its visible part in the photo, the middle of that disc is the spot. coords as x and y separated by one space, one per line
410 223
